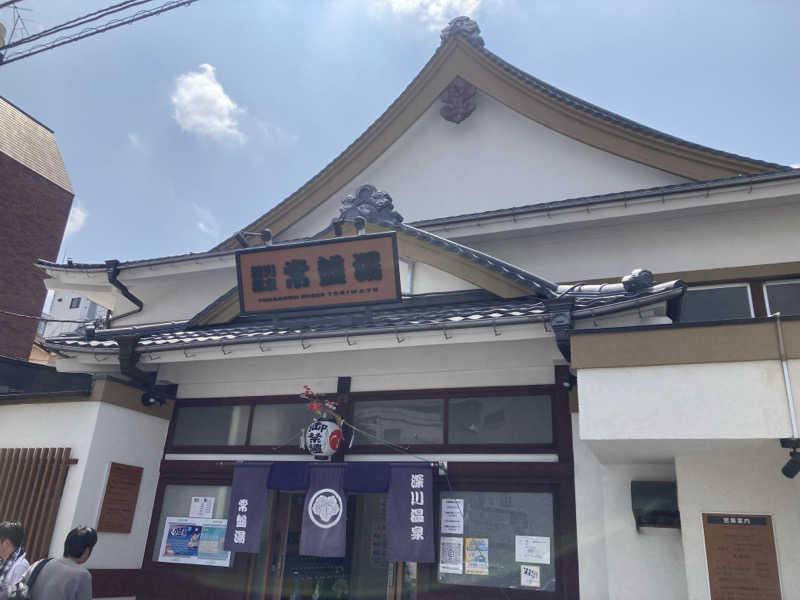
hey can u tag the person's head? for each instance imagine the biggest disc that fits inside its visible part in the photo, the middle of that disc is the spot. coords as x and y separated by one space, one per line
79 543
12 536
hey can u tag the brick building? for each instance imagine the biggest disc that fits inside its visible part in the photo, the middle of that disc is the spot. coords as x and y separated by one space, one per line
35 199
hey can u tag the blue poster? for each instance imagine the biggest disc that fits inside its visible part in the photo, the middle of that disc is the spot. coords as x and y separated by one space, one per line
195 541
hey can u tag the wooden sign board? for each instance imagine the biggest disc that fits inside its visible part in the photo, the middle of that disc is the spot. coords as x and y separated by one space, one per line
119 502
742 563
335 272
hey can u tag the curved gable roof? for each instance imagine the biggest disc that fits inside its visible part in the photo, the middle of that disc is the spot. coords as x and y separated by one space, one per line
532 97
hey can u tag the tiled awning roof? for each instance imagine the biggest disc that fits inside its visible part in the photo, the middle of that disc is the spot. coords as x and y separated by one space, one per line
437 312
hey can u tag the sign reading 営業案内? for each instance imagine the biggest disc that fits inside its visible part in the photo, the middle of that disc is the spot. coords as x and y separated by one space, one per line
742 562
352 270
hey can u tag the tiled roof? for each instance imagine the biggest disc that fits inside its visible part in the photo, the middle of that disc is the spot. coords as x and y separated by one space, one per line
665 190
580 201
442 311
606 115
31 144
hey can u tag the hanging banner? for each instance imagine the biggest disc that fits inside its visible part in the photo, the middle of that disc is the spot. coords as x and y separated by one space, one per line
324 531
409 514
246 511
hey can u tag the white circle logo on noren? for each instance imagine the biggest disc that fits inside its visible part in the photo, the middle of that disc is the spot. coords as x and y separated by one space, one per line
325 508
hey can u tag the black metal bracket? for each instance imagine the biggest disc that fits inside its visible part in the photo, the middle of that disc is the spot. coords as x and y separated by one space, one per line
128 366
561 321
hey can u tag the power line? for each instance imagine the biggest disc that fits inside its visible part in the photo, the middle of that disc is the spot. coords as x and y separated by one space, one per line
114 23
40 318
77 22
9 3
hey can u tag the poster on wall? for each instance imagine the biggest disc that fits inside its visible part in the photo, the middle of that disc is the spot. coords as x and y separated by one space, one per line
194 541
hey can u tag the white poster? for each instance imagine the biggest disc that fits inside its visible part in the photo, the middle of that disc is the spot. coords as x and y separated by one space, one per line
202 507
530 576
451 554
453 516
532 549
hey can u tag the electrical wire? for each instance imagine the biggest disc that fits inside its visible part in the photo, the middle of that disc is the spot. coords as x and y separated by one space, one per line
76 22
8 3
40 318
113 24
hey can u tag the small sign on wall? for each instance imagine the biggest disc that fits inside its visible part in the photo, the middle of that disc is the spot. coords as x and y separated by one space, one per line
119 501
742 563
352 270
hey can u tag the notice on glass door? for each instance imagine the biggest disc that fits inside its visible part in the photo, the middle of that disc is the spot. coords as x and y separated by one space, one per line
202 507
451 555
453 516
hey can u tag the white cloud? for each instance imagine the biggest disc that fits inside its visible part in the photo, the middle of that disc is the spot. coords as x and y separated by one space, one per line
795 166
77 219
205 221
277 135
136 141
203 107
434 13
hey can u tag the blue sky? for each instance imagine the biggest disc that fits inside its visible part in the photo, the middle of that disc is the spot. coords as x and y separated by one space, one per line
181 129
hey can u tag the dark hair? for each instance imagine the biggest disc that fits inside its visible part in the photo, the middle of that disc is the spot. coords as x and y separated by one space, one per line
13 531
78 540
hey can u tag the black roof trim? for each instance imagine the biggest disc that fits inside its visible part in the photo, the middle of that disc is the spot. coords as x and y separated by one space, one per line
581 201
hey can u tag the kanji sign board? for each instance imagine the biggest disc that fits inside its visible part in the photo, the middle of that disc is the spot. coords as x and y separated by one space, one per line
351 270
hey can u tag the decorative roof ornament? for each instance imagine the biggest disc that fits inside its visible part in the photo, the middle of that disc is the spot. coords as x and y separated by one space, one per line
637 281
371 204
465 27
459 100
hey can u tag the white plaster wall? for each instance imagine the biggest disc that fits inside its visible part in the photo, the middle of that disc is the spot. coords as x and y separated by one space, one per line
452 365
496 158
705 240
65 424
715 401
177 296
742 482
130 438
616 562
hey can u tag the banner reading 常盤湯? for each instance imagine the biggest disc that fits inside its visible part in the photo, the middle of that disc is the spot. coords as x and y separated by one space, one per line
246 510
351 270
324 531
409 514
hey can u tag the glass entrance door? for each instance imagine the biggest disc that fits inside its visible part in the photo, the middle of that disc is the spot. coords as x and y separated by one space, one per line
281 573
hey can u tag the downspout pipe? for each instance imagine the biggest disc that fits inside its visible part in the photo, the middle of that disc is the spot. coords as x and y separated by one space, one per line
128 359
786 380
112 272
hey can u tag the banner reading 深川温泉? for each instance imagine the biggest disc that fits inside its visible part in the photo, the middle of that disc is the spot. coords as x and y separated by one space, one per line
324 531
246 510
409 514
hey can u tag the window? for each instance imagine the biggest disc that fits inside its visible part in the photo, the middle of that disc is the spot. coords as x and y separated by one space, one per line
278 424
412 422
497 539
75 303
178 499
503 420
783 297
224 425
717 303
463 418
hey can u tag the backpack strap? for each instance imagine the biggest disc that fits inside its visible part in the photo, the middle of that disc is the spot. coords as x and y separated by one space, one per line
34 574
